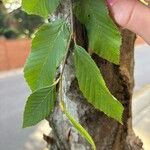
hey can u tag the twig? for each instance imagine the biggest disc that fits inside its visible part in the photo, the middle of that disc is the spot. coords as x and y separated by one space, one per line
71 38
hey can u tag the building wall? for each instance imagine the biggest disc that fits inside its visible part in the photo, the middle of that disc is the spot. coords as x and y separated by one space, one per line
13 53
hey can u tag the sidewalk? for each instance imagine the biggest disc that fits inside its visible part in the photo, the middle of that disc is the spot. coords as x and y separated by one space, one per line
141 113
141 96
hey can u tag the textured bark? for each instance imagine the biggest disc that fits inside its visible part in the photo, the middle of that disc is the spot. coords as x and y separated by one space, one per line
107 133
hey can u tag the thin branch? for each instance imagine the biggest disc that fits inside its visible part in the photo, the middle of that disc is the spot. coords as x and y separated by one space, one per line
68 47
71 16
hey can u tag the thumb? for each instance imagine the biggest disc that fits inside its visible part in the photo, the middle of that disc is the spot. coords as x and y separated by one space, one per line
133 15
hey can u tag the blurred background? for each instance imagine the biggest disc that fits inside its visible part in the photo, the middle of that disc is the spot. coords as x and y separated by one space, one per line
16 31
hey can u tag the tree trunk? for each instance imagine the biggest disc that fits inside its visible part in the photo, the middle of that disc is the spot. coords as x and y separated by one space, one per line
107 133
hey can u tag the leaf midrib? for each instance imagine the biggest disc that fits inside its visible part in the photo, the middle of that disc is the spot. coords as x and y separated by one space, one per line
35 110
48 56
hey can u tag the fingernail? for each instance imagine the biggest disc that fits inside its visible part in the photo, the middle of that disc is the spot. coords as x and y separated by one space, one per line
111 2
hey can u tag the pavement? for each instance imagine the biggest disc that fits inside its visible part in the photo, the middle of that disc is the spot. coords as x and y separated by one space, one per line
141 96
14 92
141 111
13 95
142 66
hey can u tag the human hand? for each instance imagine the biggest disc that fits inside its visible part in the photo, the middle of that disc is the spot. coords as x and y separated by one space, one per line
133 15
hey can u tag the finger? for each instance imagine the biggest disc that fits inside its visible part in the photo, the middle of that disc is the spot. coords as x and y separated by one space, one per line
133 15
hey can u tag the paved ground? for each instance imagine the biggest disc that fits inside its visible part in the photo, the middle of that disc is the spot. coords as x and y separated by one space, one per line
141 98
142 66
13 94
141 111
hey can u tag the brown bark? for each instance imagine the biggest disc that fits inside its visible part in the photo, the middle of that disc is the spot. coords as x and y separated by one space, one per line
107 133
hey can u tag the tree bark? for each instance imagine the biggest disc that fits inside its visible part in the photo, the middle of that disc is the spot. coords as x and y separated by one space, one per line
106 132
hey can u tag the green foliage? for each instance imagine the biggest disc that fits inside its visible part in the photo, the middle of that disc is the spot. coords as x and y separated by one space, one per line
48 49
51 46
39 105
9 33
93 86
40 7
26 24
104 37
17 23
3 14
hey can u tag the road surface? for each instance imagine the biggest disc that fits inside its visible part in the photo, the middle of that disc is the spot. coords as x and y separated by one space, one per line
141 98
13 93
142 66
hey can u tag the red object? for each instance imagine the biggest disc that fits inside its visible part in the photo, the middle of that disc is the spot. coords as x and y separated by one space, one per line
13 53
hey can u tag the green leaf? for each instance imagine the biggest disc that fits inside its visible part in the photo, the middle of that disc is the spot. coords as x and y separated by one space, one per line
103 34
78 127
40 7
93 87
48 49
39 105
